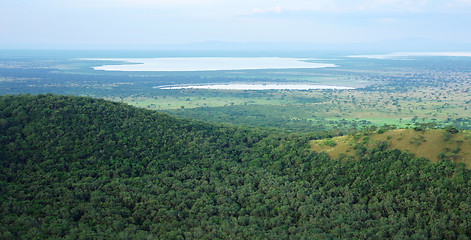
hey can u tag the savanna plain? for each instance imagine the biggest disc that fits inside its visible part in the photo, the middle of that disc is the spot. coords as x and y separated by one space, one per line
372 146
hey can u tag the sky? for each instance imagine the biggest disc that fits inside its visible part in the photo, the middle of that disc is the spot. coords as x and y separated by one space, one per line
82 23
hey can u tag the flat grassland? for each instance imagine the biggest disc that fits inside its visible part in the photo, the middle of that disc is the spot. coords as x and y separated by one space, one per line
429 91
393 92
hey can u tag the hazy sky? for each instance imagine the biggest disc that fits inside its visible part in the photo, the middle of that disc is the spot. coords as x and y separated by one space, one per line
98 22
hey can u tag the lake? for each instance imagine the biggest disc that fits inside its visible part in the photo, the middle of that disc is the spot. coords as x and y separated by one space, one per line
208 64
255 86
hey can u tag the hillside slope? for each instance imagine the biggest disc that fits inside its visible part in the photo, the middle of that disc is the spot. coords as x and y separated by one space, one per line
433 144
82 168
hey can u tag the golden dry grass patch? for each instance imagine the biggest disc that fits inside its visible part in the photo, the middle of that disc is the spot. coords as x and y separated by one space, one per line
429 144
343 146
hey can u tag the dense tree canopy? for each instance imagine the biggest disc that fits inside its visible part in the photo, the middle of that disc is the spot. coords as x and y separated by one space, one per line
83 168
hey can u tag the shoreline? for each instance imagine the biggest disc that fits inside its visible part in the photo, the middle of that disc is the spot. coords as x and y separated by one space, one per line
257 87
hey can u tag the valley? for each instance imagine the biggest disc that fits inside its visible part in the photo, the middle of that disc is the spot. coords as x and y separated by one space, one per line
387 91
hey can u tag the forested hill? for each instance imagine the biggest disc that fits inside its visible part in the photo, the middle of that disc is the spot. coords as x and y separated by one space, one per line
83 168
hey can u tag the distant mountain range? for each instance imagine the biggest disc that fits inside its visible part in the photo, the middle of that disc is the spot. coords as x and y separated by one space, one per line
409 44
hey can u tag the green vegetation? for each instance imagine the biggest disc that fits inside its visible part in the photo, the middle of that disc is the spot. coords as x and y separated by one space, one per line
330 143
83 168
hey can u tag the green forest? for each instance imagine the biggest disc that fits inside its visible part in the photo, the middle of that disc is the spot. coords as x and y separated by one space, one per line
86 168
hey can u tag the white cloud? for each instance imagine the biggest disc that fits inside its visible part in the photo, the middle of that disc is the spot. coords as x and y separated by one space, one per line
277 9
157 3
133 4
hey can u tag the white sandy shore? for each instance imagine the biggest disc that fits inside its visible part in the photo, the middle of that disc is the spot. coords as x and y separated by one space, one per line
208 64
268 86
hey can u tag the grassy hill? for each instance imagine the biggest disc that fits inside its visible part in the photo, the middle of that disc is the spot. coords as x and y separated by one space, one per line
84 168
433 144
